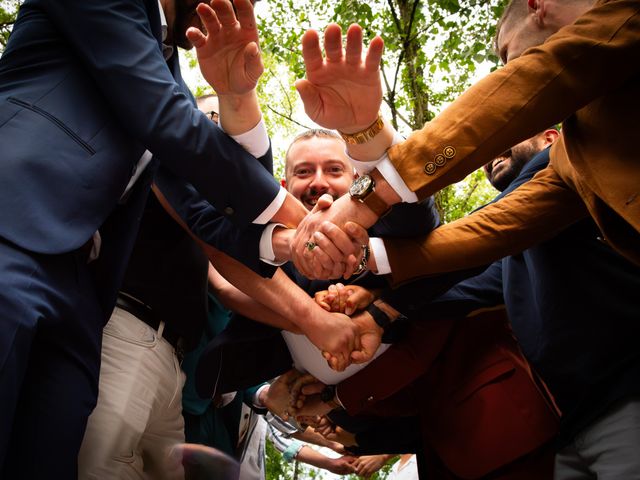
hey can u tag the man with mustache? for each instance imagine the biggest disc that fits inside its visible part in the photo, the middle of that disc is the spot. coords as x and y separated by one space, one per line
503 169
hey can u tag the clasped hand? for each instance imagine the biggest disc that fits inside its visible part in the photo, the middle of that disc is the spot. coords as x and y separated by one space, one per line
328 243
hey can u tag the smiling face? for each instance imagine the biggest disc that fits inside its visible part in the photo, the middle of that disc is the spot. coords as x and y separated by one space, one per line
315 166
504 169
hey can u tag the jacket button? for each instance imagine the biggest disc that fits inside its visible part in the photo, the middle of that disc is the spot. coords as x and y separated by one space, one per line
228 211
449 151
439 160
430 168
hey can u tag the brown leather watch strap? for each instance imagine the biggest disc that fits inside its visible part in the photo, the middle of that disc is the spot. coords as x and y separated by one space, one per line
376 204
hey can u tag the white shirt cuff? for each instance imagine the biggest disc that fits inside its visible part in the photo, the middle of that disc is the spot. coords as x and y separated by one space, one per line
267 254
255 141
395 181
272 209
366 167
256 398
388 171
379 252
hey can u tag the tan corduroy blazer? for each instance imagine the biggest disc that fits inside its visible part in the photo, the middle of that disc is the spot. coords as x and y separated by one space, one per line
586 76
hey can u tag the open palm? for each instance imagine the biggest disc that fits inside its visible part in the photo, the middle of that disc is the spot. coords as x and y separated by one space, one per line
342 89
228 55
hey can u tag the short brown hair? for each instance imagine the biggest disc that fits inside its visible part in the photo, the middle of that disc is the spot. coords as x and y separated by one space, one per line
306 135
515 10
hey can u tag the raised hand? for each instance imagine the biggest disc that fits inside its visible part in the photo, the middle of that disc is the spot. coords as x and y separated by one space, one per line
342 90
228 55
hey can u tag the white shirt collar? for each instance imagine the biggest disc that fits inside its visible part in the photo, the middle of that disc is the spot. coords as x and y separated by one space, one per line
167 50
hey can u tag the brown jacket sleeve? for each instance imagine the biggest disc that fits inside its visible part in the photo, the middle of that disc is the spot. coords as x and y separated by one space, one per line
534 212
598 53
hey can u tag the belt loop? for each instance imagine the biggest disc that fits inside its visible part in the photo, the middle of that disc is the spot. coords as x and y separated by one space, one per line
160 328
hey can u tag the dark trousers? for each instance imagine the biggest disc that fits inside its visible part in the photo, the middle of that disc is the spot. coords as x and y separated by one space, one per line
50 332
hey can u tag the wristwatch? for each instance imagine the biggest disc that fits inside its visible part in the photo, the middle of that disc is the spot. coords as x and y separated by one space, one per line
363 189
363 136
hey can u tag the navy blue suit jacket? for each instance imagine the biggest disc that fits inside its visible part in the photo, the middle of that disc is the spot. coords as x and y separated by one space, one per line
84 90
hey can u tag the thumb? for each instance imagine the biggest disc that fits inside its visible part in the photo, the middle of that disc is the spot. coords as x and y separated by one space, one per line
361 356
357 233
324 202
196 37
310 97
253 62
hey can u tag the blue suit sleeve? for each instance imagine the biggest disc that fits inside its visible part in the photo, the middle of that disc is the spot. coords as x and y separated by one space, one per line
115 41
208 224
408 220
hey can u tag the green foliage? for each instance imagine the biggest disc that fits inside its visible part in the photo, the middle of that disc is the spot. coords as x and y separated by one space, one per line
8 12
458 200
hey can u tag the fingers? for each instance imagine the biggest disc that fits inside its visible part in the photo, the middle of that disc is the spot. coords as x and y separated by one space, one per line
340 239
313 388
196 37
357 233
208 18
321 299
374 54
361 356
311 52
324 202
360 298
224 12
245 14
253 62
333 43
328 248
353 54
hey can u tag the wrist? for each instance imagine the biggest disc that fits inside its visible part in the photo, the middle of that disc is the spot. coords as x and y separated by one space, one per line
239 113
281 242
375 147
384 190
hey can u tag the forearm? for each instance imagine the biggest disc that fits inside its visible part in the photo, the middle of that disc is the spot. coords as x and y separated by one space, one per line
534 212
238 301
310 436
290 213
280 293
311 457
239 113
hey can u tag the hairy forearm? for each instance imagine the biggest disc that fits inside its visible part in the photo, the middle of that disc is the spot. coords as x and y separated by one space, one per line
238 301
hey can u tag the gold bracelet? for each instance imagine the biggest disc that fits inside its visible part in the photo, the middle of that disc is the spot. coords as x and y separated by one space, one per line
363 136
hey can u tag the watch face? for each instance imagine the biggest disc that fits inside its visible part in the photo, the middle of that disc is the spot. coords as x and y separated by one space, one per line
360 186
